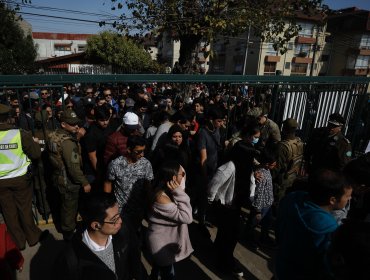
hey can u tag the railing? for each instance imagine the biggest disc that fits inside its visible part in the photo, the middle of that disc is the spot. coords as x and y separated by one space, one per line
308 99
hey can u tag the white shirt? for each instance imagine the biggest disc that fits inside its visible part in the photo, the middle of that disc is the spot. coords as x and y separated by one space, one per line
93 246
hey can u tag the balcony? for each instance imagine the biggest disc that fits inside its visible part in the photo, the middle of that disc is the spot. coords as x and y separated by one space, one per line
356 72
272 58
364 52
359 51
305 60
305 40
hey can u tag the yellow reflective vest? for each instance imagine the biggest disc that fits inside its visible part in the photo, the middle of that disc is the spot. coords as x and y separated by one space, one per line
13 161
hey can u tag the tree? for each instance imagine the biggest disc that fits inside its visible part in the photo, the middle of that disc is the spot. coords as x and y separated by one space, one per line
17 50
112 48
191 21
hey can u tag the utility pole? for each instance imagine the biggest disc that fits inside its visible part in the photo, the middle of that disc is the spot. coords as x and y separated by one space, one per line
315 48
246 50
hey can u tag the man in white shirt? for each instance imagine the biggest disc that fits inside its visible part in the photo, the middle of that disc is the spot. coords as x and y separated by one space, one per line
103 250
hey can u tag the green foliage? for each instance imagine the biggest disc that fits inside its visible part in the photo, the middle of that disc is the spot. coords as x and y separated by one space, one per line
17 51
117 50
195 20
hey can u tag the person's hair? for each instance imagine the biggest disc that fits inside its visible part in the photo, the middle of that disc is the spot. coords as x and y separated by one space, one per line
215 113
251 128
102 113
349 254
94 207
181 117
199 101
134 141
164 174
173 129
268 156
325 184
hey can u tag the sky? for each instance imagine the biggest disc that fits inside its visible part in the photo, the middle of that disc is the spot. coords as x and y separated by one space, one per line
97 10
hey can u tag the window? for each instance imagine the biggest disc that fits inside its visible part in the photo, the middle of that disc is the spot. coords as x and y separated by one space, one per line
270 49
270 68
299 69
290 45
302 50
287 65
306 29
362 61
81 48
365 42
63 48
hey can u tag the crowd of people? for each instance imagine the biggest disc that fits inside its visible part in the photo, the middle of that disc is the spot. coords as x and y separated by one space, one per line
115 156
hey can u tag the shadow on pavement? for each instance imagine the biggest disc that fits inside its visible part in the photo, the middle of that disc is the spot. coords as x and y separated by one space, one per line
205 252
41 267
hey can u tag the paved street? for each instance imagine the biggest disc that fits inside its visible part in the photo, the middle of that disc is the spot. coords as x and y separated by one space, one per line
256 265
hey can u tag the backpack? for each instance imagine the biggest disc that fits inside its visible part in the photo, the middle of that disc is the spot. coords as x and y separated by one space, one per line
54 149
295 150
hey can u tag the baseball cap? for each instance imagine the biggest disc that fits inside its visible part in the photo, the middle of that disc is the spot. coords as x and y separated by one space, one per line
290 123
70 117
130 102
336 119
131 120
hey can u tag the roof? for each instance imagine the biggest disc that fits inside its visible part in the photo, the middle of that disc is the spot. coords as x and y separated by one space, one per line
80 55
60 36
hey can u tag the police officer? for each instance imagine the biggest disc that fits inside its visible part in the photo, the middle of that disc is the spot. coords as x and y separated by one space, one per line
270 133
64 154
17 149
289 156
328 148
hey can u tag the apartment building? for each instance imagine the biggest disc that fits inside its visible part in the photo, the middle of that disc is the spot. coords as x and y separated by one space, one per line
350 36
59 44
248 54
169 53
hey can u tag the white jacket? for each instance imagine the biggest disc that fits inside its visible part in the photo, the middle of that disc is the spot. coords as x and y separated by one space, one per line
221 187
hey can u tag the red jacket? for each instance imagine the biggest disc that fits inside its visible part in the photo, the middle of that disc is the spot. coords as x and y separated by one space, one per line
116 146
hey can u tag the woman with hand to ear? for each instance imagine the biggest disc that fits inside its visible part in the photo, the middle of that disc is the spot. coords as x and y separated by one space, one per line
169 215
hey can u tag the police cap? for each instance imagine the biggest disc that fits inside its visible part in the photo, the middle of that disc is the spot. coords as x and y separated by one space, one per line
290 123
4 109
70 117
336 119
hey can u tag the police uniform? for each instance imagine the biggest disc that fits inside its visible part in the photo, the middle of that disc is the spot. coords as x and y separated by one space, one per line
65 157
17 149
289 158
41 168
270 134
328 151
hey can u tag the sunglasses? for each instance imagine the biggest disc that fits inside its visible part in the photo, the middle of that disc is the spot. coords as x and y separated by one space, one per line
69 106
44 93
107 95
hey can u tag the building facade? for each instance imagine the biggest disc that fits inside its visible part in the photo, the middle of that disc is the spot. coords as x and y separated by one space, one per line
350 38
248 54
59 44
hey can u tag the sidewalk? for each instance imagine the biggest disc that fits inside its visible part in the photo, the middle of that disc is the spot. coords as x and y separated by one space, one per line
256 265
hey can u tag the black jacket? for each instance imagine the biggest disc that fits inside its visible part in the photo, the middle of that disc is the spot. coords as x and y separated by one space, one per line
78 262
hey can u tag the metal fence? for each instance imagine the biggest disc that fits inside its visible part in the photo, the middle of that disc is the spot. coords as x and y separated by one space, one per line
308 99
